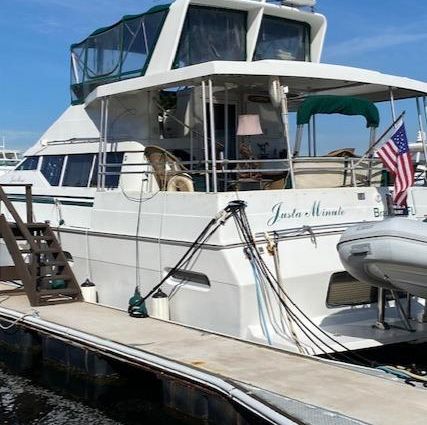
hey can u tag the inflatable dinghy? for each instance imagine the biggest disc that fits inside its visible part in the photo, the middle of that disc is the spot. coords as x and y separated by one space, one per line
389 254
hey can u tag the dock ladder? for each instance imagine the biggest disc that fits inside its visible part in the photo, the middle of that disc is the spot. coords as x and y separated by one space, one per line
39 262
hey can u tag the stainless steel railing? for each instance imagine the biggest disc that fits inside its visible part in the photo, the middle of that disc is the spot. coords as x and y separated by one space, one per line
354 172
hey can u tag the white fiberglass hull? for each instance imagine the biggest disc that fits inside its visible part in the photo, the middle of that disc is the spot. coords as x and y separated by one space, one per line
103 236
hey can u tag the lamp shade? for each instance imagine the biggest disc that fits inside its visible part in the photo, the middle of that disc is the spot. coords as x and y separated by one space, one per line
249 125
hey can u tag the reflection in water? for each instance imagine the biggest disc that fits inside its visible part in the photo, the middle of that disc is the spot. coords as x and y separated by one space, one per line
46 381
23 403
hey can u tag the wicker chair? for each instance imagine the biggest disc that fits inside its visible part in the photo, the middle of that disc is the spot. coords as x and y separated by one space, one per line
169 173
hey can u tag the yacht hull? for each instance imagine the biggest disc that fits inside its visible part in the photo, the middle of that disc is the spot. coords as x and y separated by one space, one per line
102 235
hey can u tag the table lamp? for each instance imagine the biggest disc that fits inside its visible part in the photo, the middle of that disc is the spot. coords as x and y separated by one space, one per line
249 125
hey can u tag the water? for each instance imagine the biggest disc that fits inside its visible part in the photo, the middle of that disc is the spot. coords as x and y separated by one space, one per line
66 384
26 401
48 395
23 403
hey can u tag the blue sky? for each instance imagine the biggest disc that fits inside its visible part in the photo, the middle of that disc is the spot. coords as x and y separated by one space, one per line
388 36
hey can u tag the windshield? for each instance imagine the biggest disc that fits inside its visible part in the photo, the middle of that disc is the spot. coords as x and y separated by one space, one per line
212 34
283 39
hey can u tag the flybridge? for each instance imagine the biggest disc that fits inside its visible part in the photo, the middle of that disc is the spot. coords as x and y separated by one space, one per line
190 32
114 53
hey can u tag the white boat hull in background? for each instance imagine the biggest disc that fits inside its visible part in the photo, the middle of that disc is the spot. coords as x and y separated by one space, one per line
391 254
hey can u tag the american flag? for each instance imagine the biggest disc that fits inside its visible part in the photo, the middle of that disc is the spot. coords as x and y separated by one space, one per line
396 157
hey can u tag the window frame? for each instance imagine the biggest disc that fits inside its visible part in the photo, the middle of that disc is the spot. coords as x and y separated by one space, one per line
92 169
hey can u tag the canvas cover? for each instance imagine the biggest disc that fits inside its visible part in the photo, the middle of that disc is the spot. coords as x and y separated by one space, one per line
345 105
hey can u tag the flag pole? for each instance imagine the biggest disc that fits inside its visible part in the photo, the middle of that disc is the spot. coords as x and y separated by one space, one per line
380 138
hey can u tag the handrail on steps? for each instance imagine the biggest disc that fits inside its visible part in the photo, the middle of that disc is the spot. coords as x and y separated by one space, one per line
29 209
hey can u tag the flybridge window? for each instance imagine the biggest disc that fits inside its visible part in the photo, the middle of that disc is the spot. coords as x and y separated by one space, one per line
115 53
283 39
103 53
30 163
212 34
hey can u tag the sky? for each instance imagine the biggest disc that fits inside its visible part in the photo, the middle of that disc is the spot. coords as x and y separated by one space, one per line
387 35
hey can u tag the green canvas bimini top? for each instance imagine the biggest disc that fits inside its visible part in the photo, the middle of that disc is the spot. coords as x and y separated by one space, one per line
345 105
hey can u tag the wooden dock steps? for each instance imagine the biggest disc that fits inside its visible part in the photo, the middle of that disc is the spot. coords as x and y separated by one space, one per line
40 263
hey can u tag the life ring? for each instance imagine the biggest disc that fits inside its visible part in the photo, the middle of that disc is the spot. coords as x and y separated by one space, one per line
180 183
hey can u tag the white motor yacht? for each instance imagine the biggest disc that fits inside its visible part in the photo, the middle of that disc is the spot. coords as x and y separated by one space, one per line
174 163
9 158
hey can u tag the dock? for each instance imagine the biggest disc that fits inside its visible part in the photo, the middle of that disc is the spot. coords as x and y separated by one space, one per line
277 386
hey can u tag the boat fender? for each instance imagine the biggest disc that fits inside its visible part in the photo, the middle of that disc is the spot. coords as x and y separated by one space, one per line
137 306
274 92
160 305
89 293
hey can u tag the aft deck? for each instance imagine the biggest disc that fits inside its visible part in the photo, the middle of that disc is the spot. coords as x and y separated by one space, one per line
273 382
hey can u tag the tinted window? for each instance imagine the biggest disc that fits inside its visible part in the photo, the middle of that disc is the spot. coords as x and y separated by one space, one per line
111 181
51 168
212 34
30 163
78 170
283 39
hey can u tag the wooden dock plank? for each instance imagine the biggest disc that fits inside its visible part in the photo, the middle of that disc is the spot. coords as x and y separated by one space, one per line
366 398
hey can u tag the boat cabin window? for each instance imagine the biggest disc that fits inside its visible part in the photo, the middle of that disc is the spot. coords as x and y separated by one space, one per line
111 180
51 168
81 170
283 39
212 34
115 53
30 163
78 170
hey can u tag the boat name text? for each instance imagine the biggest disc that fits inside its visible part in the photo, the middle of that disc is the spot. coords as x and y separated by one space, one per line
279 212
380 212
